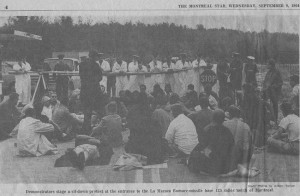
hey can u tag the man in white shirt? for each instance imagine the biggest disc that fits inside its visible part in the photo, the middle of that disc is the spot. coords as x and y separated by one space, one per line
286 140
155 65
105 69
181 134
183 63
120 66
31 136
23 81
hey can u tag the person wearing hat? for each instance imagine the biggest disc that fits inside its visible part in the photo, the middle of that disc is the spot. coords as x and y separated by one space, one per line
272 86
23 81
241 134
250 71
90 75
62 81
294 82
120 66
9 115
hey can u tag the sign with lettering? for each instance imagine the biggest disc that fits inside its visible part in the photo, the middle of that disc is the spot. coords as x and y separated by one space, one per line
208 77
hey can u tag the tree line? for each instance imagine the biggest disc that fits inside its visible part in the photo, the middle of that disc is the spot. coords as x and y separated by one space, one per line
165 39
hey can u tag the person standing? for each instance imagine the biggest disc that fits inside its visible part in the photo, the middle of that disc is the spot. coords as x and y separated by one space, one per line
236 71
120 67
104 65
224 79
62 81
272 86
294 82
23 81
90 75
250 71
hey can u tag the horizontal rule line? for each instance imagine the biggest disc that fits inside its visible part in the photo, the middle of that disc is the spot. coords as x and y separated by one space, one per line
183 9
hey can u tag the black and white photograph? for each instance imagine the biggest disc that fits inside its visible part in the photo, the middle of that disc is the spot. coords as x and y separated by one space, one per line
144 98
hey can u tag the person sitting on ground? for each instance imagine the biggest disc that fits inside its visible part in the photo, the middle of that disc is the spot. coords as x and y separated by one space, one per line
168 91
212 97
74 103
214 156
161 116
190 98
47 107
9 115
241 134
294 82
145 136
181 134
202 118
122 111
110 127
68 123
32 140
143 90
157 90
224 105
286 139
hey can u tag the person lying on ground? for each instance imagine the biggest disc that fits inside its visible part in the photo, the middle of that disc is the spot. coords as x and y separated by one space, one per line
214 155
31 137
181 134
286 139
9 115
241 134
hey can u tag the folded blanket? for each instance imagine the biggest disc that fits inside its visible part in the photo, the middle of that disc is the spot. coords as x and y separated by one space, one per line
129 162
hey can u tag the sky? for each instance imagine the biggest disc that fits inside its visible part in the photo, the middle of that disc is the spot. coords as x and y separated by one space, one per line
272 23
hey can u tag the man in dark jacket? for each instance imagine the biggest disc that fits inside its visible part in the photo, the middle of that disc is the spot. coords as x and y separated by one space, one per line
272 86
90 76
62 81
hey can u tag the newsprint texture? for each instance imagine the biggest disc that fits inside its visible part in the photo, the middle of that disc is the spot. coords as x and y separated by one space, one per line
149 97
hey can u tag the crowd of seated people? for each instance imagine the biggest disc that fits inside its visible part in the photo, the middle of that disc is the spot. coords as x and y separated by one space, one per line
213 135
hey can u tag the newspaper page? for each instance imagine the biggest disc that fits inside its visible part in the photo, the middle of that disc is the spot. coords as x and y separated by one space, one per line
149 97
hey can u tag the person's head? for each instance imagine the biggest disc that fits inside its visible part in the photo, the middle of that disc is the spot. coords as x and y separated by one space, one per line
191 87
176 110
13 98
46 101
226 102
234 112
112 107
53 100
135 58
286 108
294 80
168 88
119 60
271 64
250 59
93 54
207 89
60 57
136 97
29 112
121 93
142 88
174 98
203 102
218 116
156 87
